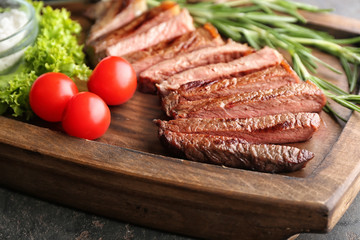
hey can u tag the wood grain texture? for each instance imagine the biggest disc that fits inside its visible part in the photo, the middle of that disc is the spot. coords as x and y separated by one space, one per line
336 25
128 175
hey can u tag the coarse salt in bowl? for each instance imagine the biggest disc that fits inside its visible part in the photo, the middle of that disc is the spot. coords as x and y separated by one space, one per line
18 30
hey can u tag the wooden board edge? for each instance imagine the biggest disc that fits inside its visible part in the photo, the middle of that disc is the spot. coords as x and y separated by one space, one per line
312 209
332 23
345 187
328 208
152 204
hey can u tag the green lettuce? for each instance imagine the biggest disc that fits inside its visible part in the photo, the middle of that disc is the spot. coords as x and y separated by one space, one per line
56 49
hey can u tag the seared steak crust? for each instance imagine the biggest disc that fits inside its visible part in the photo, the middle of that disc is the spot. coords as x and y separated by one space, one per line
233 152
206 36
296 97
201 57
261 59
281 128
272 77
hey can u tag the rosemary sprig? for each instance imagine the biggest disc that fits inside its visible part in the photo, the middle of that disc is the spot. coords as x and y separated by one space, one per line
259 23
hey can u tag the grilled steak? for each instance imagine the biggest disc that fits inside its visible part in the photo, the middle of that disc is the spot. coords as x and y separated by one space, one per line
205 36
261 59
230 103
204 56
174 27
165 12
234 152
296 97
272 77
281 128
116 14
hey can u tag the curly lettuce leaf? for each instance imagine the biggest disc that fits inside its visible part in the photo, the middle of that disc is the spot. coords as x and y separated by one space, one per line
56 49
16 95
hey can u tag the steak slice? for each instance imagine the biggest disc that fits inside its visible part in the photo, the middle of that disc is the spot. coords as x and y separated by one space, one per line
281 128
261 59
116 14
204 56
272 77
97 49
174 27
296 97
205 36
234 152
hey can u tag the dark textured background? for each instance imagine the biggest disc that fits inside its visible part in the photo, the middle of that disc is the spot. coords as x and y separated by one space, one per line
24 217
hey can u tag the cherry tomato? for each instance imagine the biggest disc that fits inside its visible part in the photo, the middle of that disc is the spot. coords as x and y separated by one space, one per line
50 94
114 80
86 116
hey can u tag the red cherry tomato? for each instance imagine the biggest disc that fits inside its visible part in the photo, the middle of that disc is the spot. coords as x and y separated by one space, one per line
114 80
50 94
86 116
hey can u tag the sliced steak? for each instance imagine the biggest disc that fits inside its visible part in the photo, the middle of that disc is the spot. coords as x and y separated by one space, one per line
296 97
261 59
97 49
205 36
116 14
234 152
174 27
201 57
272 77
281 128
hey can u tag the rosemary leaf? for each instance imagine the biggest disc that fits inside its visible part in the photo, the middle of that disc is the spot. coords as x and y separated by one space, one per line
310 8
331 111
347 41
310 56
350 97
268 18
354 78
346 67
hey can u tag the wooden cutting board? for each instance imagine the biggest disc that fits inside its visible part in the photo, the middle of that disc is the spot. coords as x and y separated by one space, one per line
128 175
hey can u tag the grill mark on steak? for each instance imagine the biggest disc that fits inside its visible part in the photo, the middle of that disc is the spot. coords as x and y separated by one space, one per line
233 152
116 14
261 59
279 73
272 77
296 97
281 128
204 56
206 36
174 27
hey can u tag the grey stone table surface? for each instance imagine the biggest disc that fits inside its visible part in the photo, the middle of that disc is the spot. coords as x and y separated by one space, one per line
25 217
